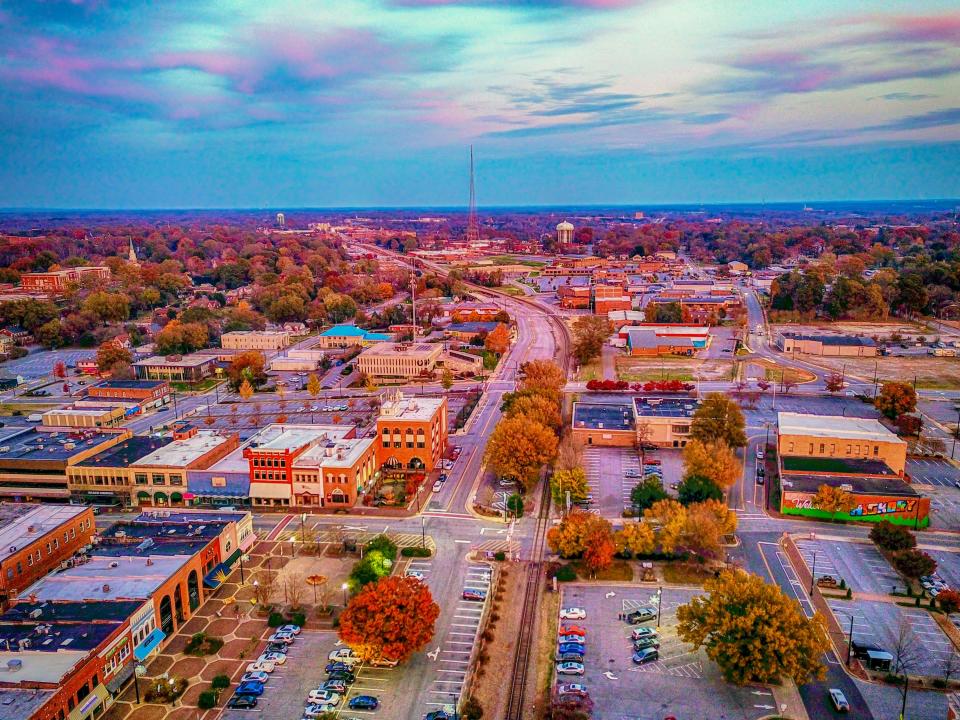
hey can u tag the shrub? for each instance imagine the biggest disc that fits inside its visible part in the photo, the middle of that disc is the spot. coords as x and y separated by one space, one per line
220 682
566 573
201 644
515 504
471 710
914 563
207 700
843 584
849 594
940 683
385 545
299 619
892 538
949 601
276 620
416 552
500 556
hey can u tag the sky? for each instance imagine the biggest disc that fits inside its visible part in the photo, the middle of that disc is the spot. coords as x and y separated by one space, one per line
331 103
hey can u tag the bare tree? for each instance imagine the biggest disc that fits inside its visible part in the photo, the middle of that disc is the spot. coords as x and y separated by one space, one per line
644 433
294 589
950 665
569 453
264 583
906 657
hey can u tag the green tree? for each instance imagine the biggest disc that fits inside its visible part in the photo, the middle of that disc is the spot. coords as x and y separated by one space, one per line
647 492
50 334
446 380
719 418
697 488
107 307
753 631
590 332
569 481
895 399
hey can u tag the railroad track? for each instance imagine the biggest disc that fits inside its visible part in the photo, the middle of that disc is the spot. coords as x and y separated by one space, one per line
531 597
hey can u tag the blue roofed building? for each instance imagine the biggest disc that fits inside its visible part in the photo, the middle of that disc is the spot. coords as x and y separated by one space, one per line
344 336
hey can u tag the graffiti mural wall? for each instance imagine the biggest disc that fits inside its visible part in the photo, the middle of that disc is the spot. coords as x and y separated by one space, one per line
868 508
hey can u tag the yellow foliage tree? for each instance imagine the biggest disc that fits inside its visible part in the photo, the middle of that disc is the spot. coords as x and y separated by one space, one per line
833 500
753 631
715 461
313 385
246 390
537 407
670 519
635 537
569 481
542 375
518 447
707 524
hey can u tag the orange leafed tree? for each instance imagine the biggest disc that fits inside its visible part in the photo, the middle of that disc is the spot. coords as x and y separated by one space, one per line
498 340
389 619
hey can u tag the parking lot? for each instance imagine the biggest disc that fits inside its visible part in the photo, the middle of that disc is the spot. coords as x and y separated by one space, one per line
612 473
682 682
40 363
944 506
861 565
933 472
925 646
453 659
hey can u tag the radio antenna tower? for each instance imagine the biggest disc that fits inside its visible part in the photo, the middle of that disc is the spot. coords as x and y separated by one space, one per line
473 230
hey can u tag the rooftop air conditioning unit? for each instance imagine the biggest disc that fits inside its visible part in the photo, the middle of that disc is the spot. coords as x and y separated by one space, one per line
31 528
25 644
114 564
35 613
106 588
14 665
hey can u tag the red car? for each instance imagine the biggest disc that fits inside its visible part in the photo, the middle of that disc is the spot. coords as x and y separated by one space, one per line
572 630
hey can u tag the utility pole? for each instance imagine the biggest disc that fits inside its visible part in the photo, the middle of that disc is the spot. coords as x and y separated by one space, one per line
850 641
813 574
955 433
413 303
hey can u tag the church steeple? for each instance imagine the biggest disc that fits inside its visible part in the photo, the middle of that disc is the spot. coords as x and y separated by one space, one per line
132 256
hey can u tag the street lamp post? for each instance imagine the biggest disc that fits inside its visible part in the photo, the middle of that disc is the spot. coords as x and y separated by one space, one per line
303 536
813 574
955 433
345 587
659 603
850 641
241 568
423 531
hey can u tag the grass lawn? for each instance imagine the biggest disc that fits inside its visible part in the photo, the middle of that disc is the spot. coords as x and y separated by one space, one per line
651 374
777 373
591 371
513 260
511 290
685 574
201 386
619 570
25 408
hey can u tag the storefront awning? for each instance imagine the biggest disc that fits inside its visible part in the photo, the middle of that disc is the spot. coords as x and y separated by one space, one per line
218 574
143 495
176 497
99 697
120 679
149 644
270 490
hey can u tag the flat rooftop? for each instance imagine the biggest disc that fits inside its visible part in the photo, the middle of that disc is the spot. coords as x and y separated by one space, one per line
133 578
47 612
183 452
835 465
859 485
391 348
130 384
56 445
340 453
19 703
412 408
666 407
190 516
279 438
602 416
185 361
836 427
22 523
61 636
843 340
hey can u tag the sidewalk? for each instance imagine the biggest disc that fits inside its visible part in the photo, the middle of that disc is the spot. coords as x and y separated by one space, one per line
788 700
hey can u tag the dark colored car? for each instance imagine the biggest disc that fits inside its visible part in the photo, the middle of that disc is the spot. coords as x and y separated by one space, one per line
242 702
437 715
347 678
250 688
277 647
646 655
647 642
477 595
335 665
363 702
565 648
571 657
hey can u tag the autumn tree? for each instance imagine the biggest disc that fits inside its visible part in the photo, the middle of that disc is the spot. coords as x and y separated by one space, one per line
647 492
245 390
636 538
107 307
498 340
892 538
569 453
706 526
313 385
584 534
949 601
248 367
518 447
895 399
719 418
60 369
914 564
569 481
696 488
833 382
538 408
669 519
542 375
713 460
446 379
177 337
590 332
110 354
833 500
753 631
389 619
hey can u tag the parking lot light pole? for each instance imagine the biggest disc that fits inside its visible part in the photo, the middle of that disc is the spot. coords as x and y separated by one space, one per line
813 575
423 531
659 603
344 587
850 641
955 433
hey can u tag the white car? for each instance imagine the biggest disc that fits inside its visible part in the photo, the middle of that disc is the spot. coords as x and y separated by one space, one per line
760 453
344 655
292 629
437 486
573 613
266 666
315 711
259 676
570 668
416 574
277 658
286 638
317 697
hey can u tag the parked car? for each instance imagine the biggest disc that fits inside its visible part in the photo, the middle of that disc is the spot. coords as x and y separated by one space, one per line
571 647
285 638
573 630
643 632
275 657
363 702
573 613
570 639
277 647
250 688
646 655
839 700
316 710
337 686
346 677
416 574
262 666
437 486
640 615
647 642
475 595
760 453
570 668
443 477
382 662
337 665
344 655
572 689
827 581
438 715
260 677
242 702
293 629
323 696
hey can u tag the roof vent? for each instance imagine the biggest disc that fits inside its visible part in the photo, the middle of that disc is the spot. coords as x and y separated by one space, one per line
114 564
149 562
106 588
14 665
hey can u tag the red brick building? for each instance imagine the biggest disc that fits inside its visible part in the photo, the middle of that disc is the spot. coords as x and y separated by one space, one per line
58 281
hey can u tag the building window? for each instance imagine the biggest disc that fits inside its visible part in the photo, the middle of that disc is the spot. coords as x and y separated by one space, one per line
73 533
176 479
140 478
56 544
876 450
30 560
49 549
159 479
